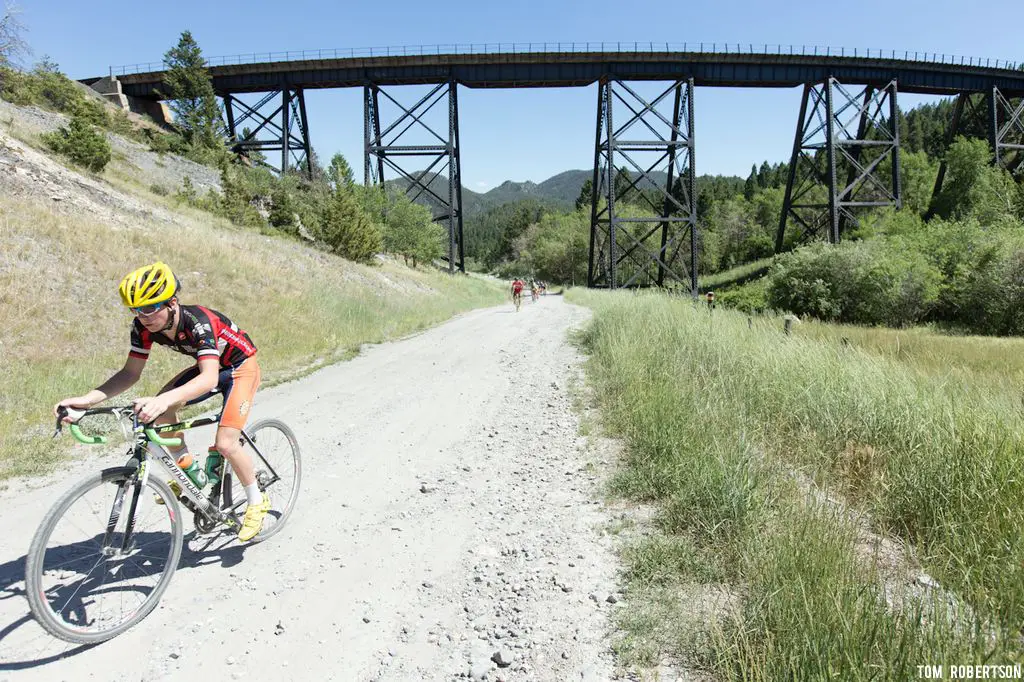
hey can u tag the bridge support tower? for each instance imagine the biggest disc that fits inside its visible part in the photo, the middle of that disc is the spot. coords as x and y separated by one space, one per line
384 147
845 158
284 129
1000 119
659 248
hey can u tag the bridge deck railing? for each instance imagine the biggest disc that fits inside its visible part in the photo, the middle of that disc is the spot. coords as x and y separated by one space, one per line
569 48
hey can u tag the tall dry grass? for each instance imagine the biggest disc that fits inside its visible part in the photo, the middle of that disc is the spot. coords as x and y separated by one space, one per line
737 433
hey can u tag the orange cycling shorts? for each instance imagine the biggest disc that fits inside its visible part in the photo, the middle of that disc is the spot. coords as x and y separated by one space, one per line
238 385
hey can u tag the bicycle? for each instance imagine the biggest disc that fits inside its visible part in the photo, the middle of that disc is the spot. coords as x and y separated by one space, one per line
517 300
79 610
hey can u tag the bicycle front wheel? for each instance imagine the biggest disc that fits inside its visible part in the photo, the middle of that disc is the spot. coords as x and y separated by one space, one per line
103 556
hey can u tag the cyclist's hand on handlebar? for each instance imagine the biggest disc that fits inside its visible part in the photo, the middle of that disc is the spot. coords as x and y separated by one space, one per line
150 408
73 409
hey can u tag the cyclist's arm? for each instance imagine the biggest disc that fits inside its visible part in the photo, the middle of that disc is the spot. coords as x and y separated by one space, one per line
123 379
203 383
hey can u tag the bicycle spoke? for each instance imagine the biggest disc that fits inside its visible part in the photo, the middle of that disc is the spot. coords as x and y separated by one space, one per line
75 593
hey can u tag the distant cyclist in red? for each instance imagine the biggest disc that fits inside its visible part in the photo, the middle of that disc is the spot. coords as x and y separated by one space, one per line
517 291
225 359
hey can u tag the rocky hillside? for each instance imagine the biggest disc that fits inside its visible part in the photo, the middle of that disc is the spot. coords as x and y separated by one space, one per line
36 174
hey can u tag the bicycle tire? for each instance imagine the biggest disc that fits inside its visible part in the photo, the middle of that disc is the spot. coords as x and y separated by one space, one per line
281 510
34 560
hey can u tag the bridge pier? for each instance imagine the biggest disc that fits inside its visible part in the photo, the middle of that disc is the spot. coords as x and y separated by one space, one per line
668 207
826 145
1001 122
382 149
110 88
284 129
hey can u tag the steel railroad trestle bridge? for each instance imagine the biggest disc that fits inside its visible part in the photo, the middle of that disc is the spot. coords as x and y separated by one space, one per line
845 157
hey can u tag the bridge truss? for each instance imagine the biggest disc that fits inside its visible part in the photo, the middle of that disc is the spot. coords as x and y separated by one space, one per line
997 118
631 248
280 125
847 149
440 183
845 159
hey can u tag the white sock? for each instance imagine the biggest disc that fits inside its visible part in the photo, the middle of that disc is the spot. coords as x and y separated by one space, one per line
253 494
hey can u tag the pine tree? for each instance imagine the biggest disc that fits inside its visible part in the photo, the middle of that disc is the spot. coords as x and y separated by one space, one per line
339 172
750 186
282 213
586 195
623 192
188 86
348 230
81 143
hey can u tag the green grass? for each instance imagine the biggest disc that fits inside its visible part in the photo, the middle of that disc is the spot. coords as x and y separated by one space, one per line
998 360
735 276
729 430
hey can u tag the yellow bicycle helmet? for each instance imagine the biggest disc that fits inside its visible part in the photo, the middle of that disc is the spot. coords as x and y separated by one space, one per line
149 284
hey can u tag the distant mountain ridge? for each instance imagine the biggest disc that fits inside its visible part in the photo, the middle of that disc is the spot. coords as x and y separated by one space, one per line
559 190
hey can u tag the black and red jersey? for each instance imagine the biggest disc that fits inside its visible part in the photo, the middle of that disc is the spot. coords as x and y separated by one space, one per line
200 332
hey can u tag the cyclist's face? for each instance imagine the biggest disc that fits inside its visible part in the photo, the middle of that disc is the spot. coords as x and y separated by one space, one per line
156 320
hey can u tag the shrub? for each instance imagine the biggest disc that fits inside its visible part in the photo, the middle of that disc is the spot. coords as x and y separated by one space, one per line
80 143
348 230
282 213
46 87
749 298
874 282
988 298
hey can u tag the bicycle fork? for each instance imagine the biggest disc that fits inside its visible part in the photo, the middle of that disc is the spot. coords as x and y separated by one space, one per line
115 515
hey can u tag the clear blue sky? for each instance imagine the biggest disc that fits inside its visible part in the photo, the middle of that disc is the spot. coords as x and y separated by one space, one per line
527 134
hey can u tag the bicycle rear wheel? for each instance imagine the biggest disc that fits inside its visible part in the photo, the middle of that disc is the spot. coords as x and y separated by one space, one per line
278 468
85 583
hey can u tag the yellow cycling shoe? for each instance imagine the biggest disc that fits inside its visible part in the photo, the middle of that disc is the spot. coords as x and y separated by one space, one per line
175 488
252 523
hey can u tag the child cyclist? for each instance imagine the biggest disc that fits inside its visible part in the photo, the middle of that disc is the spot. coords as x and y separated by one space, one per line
225 360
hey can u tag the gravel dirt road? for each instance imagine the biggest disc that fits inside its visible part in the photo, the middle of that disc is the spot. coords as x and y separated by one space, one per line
449 526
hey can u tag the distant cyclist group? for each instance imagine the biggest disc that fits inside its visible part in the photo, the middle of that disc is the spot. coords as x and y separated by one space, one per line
537 288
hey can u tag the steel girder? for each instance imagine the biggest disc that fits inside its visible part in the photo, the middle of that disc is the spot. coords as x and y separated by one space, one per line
382 149
284 129
1001 122
845 157
621 249
916 73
